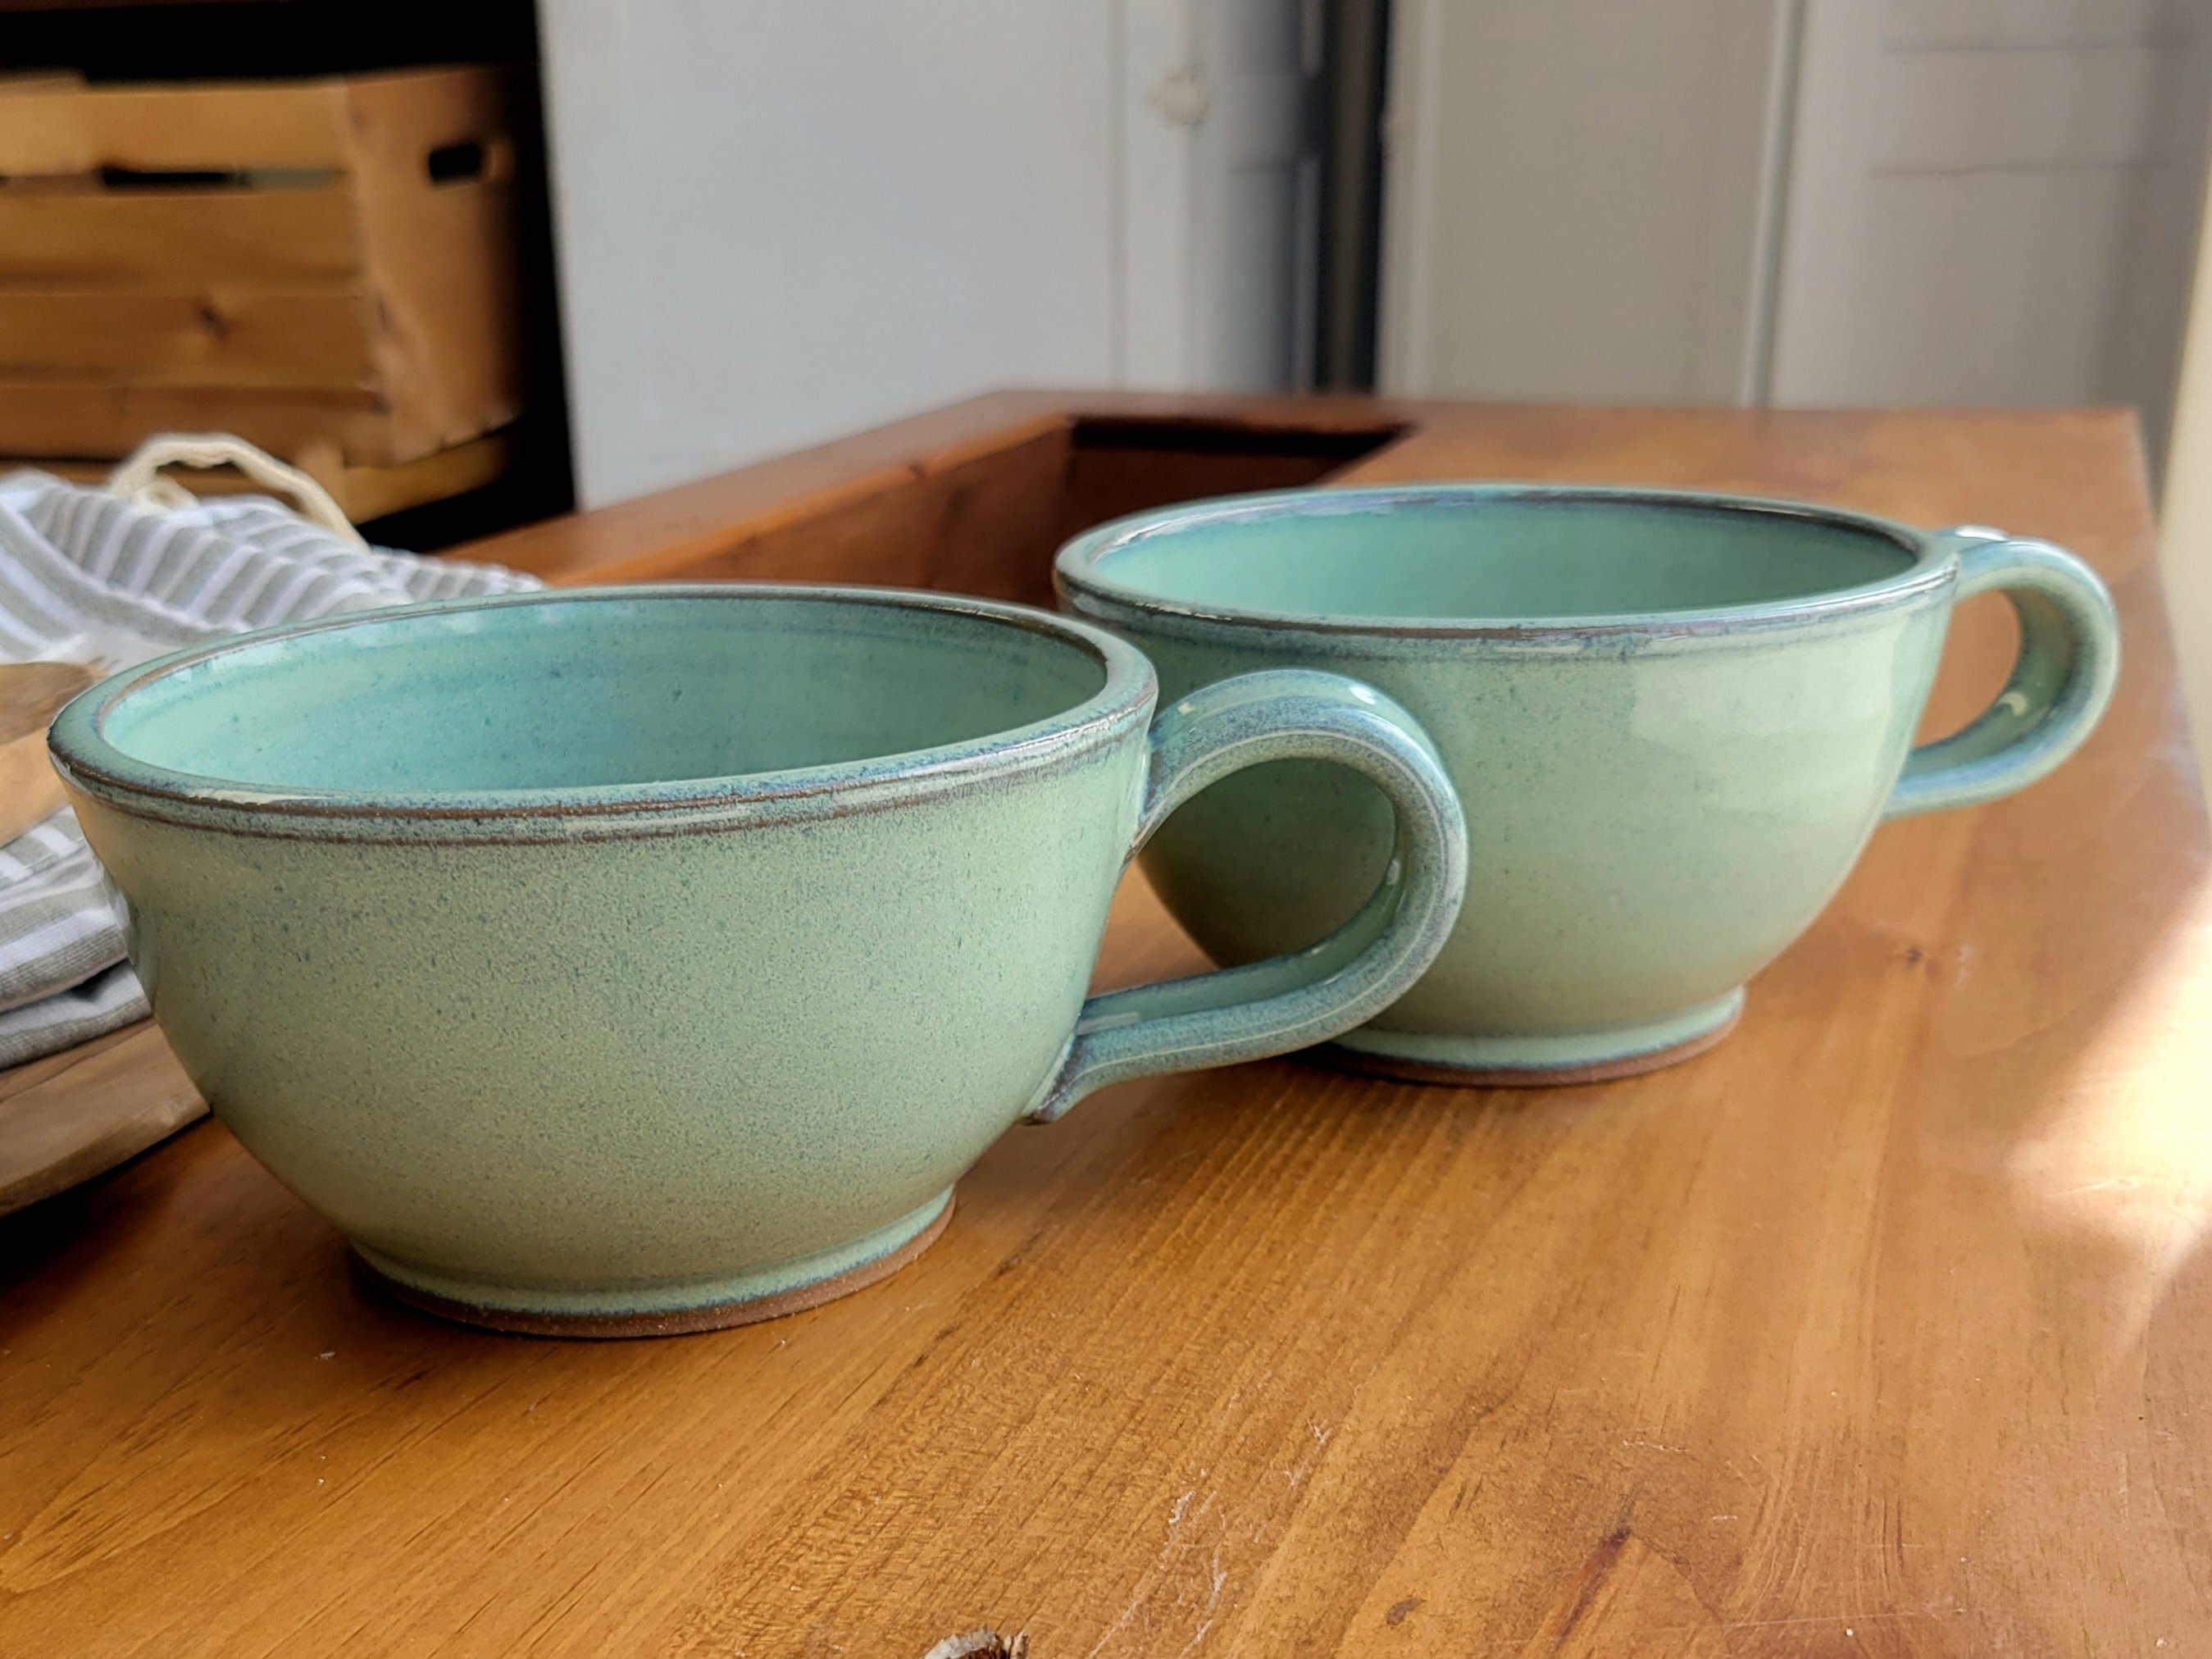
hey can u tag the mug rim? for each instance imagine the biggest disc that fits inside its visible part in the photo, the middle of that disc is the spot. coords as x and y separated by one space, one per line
1076 567
81 752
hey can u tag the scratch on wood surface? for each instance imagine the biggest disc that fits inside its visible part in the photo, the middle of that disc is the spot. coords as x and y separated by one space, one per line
1847 1620
1213 1601
1509 1645
1176 1517
1183 1511
1114 1629
1595 1570
1298 1471
981 1643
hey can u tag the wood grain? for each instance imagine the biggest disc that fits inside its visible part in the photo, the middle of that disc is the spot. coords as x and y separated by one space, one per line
61 126
326 263
976 496
440 257
31 695
170 236
219 334
1884 1328
42 416
76 1114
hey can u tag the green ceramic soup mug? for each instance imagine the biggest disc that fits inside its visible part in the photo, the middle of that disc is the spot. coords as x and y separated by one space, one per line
1673 720
650 959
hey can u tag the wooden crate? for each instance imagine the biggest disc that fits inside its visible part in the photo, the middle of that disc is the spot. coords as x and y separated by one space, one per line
318 266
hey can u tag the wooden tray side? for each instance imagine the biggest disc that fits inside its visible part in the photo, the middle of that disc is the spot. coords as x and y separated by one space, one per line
981 512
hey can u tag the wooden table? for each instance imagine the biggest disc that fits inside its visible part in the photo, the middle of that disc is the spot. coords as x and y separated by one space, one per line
1885 1328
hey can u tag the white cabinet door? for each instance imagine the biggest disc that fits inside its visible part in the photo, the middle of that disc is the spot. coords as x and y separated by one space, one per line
1992 201
1577 196
1222 192
780 221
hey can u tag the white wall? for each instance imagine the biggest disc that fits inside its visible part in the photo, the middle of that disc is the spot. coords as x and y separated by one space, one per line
1993 201
2186 522
1577 196
1218 191
781 220
1807 201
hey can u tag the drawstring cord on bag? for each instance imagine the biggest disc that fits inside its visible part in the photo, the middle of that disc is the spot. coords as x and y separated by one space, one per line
138 479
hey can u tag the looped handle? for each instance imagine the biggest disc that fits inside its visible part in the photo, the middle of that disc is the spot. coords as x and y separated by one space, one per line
1289 1001
137 477
2061 682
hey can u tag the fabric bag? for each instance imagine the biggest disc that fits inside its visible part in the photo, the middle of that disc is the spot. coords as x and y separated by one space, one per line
109 578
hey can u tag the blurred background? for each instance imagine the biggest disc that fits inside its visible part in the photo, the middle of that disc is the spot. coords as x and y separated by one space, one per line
524 257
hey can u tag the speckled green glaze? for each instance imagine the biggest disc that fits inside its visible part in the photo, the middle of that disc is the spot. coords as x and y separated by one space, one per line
636 952
1673 720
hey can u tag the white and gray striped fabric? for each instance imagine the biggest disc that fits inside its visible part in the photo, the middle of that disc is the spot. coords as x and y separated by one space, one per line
86 576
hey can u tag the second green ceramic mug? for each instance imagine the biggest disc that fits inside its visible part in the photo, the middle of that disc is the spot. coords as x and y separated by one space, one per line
1674 719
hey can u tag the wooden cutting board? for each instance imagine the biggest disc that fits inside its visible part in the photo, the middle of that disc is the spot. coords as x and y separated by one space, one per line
70 1115
31 695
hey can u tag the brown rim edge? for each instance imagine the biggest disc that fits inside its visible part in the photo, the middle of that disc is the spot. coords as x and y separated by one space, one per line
119 788
1524 1077
682 1321
1082 574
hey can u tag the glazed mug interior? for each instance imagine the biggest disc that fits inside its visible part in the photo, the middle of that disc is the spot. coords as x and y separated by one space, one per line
1515 559
1673 720
470 705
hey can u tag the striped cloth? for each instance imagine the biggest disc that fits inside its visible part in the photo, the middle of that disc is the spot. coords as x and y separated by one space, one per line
86 576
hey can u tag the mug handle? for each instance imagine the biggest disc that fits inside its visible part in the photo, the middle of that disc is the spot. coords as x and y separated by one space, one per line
1288 1001
2062 680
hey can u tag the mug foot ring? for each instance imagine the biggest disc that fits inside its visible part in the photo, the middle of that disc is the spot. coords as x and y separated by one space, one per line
1489 1063
718 1315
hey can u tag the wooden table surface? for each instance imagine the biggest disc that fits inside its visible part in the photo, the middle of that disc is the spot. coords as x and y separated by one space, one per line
1885 1328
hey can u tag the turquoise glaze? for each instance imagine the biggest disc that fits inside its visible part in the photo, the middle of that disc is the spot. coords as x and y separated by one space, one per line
638 951
1673 720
